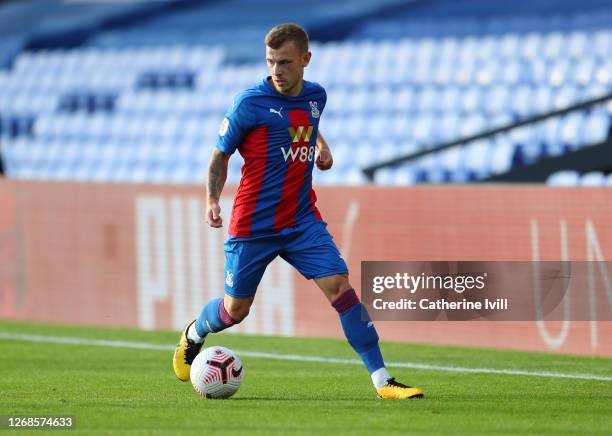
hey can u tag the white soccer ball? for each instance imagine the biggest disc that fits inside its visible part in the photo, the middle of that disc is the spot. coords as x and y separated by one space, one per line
216 373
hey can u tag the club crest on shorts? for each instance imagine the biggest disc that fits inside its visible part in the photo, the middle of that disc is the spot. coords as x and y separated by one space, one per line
229 278
314 110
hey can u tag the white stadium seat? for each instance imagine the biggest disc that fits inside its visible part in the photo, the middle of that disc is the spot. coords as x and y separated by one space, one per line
593 179
564 178
385 98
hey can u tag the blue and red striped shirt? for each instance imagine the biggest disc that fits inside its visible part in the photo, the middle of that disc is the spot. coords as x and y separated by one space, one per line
276 135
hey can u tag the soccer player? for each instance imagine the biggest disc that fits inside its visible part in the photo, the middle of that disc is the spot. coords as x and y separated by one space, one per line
274 126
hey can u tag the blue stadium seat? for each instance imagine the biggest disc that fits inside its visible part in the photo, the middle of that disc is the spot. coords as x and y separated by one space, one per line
596 128
355 177
452 160
593 179
571 131
403 176
478 157
502 153
152 109
423 129
449 124
564 178
542 99
471 124
497 99
385 176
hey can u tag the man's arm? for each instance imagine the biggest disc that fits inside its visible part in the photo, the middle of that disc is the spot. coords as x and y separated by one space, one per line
324 159
217 173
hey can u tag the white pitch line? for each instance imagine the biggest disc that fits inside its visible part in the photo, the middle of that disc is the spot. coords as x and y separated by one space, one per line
299 358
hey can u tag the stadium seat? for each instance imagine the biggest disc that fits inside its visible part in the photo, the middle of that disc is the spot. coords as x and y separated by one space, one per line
355 177
596 128
403 176
564 178
450 80
385 176
449 126
502 153
577 44
593 179
553 45
602 43
452 160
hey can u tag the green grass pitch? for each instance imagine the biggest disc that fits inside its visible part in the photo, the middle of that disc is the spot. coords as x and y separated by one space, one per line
133 391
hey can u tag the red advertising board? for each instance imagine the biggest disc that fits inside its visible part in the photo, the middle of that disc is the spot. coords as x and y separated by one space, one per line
142 256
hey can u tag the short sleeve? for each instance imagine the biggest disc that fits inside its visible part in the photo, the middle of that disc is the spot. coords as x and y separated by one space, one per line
238 122
323 99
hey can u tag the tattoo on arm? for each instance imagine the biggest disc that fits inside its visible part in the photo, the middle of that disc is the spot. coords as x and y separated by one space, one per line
217 173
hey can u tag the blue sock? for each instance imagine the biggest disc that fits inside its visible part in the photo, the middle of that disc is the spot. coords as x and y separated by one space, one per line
213 318
360 333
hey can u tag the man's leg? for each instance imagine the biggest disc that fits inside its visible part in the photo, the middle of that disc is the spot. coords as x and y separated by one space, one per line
362 336
314 254
245 263
217 315
358 328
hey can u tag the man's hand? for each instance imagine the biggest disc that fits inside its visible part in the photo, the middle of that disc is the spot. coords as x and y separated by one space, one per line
324 159
213 215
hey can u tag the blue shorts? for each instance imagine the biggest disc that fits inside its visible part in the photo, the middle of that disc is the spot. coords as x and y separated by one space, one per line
308 247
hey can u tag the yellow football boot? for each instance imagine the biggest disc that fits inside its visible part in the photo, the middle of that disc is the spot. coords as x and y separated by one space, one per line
185 352
398 391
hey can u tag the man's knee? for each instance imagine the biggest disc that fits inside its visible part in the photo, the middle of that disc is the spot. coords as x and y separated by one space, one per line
238 314
339 289
237 308
334 286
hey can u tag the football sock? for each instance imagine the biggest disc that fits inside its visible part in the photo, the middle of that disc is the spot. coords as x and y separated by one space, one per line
213 318
359 332
380 377
193 335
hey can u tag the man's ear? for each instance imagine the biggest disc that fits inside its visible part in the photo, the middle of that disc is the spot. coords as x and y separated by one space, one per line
306 58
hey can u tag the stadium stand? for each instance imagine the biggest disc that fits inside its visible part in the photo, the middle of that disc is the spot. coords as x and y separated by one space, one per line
573 178
139 105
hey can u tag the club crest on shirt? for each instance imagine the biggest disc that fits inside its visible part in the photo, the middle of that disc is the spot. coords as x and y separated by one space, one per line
224 127
229 278
314 110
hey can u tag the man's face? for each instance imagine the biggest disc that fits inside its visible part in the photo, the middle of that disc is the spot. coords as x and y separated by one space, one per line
286 66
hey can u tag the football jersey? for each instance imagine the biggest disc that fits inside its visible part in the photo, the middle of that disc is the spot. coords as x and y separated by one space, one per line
276 135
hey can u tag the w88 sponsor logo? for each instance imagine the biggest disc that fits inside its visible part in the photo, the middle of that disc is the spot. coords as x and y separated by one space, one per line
304 153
